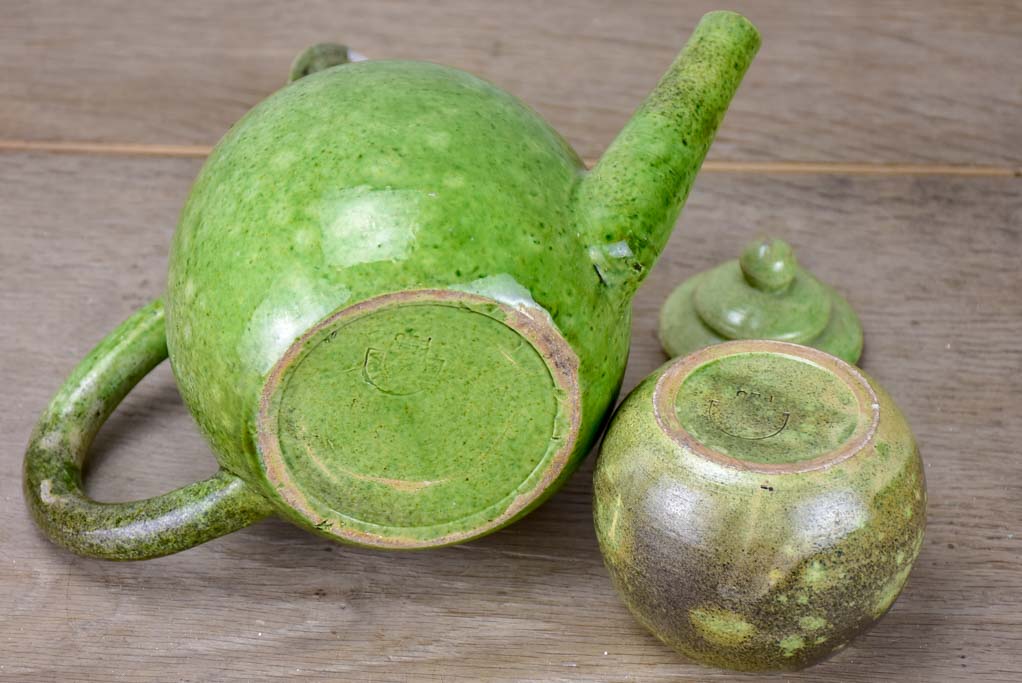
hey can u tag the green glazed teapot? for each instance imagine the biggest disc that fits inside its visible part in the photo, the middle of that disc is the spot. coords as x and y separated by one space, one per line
397 307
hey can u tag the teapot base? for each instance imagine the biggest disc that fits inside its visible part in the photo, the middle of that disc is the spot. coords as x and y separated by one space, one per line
420 418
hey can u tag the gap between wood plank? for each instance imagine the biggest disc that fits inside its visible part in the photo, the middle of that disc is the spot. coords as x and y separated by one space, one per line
765 167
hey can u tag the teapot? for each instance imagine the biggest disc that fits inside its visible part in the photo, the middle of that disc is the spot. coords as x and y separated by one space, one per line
397 307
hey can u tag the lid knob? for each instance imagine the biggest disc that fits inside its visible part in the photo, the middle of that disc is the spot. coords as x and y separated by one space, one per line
317 58
768 264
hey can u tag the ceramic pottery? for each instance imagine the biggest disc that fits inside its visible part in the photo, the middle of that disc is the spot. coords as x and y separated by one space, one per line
758 504
764 294
397 306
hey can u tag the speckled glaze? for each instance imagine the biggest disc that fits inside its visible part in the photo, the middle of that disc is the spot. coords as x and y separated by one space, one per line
758 504
764 294
59 447
398 305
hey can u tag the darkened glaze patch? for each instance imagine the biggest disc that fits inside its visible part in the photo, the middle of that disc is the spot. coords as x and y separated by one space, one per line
752 570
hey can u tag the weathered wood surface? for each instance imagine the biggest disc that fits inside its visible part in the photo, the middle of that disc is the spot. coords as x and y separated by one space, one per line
931 263
870 81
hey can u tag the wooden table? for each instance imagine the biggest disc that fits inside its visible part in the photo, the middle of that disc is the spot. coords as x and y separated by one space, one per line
883 142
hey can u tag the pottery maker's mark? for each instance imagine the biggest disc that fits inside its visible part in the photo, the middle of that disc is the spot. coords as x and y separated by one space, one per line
713 412
408 365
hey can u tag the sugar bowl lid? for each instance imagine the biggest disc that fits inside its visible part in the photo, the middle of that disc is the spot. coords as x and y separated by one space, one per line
764 294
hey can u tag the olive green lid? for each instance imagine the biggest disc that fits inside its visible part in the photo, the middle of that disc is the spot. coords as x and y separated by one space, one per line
316 58
764 294
321 56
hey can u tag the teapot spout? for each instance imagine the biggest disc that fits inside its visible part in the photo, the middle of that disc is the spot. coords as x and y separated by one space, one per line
628 204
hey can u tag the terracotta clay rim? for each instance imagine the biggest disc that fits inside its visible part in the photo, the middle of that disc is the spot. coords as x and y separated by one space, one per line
558 356
667 387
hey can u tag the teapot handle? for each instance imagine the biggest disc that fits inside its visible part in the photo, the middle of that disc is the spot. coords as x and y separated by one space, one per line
59 446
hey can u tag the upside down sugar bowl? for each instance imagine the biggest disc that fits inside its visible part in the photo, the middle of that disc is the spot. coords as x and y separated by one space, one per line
759 503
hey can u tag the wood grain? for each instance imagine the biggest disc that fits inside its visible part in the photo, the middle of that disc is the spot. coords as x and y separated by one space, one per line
930 262
841 168
920 81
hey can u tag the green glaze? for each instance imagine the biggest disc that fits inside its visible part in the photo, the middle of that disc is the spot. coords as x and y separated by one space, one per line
758 504
59 447
764 294
435 483
628 204
398 305
317 58
765 408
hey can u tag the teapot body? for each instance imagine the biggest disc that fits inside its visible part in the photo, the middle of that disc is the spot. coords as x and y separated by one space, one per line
397 306
401 193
